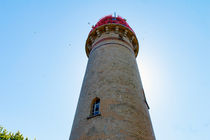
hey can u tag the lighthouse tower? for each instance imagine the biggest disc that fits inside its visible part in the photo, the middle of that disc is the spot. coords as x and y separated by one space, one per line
112 104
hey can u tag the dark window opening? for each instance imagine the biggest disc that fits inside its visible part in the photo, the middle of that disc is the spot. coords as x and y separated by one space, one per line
95 107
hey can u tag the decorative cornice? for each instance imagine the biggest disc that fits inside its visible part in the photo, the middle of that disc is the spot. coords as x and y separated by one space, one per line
110 38
124 34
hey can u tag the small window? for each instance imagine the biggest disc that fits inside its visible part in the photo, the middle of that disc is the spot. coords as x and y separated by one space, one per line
95 107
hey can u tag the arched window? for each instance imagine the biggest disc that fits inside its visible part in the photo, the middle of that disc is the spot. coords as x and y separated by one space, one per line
95 107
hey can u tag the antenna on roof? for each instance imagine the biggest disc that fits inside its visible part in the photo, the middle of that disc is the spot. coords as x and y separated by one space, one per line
115 14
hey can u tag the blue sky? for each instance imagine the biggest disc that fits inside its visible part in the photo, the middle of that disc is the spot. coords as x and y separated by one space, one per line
43 60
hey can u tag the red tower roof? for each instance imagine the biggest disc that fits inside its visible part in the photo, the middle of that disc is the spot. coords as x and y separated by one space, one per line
110 19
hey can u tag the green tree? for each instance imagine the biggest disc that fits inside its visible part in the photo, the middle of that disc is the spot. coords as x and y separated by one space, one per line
4 135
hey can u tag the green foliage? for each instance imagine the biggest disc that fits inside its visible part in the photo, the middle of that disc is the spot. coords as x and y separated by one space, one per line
4 135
